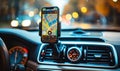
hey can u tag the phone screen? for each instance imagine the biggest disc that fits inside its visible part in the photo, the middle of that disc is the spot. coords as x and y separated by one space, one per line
49 24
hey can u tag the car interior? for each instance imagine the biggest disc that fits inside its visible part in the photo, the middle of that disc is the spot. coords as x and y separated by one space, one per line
71 35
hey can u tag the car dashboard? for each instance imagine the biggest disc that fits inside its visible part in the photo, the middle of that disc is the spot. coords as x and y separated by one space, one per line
76 50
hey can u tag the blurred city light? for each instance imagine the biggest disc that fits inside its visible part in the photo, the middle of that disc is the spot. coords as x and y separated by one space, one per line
31 13
26 23
75 15
115 0
40 13
14 23
83 25
83 9
68 16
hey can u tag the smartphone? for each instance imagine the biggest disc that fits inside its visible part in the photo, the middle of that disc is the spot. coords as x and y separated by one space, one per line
49 24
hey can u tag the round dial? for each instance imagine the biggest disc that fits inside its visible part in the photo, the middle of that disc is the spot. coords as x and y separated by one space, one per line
18 55
74 54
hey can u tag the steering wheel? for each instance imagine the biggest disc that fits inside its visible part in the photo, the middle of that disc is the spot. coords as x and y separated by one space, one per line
4 57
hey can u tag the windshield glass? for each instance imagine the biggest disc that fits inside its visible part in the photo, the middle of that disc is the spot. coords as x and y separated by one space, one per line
84 14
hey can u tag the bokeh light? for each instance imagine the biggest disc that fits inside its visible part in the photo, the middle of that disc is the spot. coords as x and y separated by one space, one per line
26 23
68 16
115 0
14 23
75 15
83 9
31 13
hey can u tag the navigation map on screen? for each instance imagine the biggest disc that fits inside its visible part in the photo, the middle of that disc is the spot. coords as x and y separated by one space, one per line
49 25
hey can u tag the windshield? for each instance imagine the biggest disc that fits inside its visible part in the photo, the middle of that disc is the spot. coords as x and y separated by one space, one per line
84 14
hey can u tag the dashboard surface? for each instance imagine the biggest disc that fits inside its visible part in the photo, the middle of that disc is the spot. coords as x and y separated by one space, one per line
92 50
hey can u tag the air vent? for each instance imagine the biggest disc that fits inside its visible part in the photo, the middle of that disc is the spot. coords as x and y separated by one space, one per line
46 54
99 55
88 39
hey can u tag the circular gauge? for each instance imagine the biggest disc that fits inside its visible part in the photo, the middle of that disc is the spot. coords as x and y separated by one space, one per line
74 54
18 55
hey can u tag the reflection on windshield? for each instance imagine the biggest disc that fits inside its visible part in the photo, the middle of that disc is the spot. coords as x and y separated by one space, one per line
83 13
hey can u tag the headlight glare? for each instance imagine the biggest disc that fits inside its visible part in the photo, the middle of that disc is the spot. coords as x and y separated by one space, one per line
26 23
14 23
